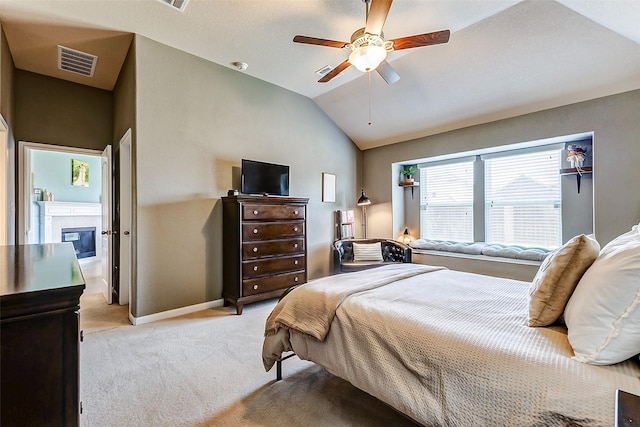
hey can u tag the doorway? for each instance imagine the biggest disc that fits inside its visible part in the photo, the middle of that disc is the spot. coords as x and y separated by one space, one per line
53 200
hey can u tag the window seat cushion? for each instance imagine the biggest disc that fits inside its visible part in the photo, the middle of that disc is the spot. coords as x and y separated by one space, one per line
481 248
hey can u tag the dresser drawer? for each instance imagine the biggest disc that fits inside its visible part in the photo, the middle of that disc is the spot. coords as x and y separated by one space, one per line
270 283
278 247
257 212
271 230
260 267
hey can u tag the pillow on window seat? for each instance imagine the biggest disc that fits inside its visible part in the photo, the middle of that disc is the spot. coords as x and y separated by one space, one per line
603 314
557 277
367 252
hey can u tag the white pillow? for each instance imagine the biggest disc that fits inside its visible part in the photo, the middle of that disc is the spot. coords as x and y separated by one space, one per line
603 314
367 252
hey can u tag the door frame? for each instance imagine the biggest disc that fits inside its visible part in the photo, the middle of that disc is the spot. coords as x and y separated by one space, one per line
125 220
24 178
6 206
106 236
25 182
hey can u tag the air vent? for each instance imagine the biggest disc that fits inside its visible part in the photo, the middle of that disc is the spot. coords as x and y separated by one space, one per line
176 4
76 61
324 71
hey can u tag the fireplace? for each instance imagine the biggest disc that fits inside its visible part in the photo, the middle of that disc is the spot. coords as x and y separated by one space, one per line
83 239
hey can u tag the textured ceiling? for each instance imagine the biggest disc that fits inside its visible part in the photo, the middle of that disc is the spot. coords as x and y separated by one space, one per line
504 58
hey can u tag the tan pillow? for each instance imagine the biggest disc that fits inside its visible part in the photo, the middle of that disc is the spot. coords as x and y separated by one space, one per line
557 277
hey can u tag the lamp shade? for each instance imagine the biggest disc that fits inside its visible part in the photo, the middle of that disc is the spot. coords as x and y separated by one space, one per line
367 57
363 200
406 236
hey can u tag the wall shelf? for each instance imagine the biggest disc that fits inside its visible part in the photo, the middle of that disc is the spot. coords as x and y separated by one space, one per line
571 171
411 185
578 174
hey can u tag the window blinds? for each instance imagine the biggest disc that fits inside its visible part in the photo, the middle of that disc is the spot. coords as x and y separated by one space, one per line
446 201
523 199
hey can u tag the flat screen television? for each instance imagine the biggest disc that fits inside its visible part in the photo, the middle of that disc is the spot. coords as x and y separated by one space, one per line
264 178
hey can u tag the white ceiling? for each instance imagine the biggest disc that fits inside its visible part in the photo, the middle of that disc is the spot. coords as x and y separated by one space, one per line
504 57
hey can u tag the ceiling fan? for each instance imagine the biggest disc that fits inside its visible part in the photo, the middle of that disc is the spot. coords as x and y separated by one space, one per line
369 48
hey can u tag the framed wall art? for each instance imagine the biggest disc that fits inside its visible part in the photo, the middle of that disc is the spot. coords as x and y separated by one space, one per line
79 173
328 187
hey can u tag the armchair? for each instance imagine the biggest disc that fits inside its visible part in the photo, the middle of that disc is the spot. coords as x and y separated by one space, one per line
343 259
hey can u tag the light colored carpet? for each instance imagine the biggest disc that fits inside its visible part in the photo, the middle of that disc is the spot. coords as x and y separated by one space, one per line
205 369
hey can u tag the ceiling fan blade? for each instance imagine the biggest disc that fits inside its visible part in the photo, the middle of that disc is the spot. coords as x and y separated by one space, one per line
387 72
320 42
377 15
419 40
331 74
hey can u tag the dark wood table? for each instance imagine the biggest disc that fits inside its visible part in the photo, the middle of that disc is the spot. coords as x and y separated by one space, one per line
627 409
40 288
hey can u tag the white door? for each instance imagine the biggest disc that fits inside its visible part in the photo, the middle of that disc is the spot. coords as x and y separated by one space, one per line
125 218
106 225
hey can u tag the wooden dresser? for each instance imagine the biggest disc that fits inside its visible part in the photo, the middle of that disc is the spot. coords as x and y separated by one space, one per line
39 331
264 247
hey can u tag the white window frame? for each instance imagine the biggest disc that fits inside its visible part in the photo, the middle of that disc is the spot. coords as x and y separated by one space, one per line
479 230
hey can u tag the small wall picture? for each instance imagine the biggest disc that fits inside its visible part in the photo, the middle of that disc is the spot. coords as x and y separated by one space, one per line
79 173
328 187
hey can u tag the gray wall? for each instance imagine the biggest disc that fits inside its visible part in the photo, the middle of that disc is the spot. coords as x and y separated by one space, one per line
7 71
195 122
615 121
124 118
54 111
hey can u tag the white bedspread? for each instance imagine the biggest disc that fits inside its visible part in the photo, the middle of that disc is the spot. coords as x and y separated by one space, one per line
453 348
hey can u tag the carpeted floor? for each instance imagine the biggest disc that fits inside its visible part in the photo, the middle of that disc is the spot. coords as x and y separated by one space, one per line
205 369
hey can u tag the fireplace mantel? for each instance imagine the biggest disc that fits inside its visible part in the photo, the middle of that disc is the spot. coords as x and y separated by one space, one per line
69 209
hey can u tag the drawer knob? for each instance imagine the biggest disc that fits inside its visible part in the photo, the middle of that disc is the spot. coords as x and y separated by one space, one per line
255 231
295 262
295 229
255 268
255 287
295 279
255 212
255 250
295 245
295 212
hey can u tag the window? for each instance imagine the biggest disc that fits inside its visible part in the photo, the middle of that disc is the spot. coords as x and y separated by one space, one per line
509 197
446 201
523 199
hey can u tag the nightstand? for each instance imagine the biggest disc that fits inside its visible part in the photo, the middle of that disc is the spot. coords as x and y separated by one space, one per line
627 409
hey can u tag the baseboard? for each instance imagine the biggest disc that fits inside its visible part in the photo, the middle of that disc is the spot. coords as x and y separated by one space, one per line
136 321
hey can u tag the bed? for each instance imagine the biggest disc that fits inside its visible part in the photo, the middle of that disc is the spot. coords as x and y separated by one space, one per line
447 347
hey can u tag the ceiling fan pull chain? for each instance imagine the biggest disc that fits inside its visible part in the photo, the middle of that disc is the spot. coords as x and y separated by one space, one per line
366 10
369 77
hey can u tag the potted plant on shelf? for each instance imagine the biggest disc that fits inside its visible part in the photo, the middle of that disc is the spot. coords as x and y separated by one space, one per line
408 172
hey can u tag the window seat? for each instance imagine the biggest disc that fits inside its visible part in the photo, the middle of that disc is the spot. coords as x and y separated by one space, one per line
513 262
481 248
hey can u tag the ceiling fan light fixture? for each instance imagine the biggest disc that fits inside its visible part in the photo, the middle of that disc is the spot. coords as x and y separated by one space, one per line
367 57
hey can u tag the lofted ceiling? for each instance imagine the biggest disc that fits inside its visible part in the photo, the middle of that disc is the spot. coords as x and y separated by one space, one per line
504 57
